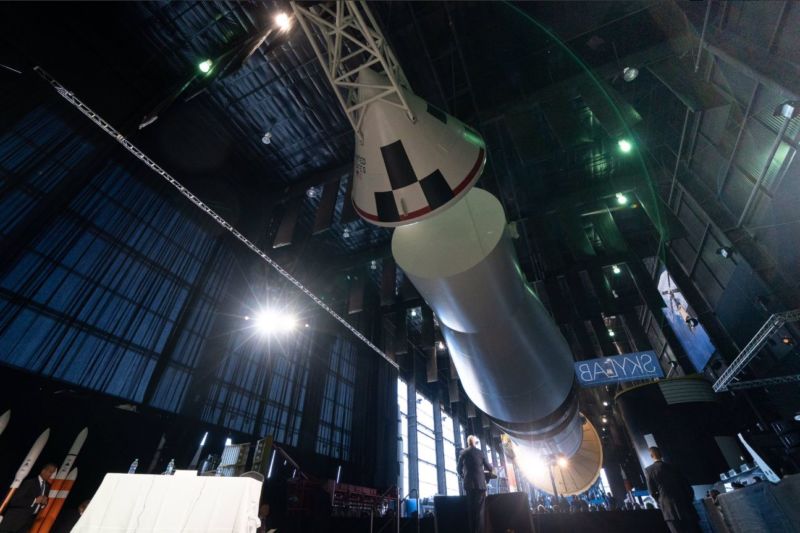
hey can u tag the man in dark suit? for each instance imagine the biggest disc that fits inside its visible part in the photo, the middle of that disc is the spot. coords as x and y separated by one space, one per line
472 467
673 493
29 498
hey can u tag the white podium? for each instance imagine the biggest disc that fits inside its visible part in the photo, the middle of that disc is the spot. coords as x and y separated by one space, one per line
127 503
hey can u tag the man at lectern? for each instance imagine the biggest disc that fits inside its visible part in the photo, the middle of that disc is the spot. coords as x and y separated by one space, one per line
27 501
472 467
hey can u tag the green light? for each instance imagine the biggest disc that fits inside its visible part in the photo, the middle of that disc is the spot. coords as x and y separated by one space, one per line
473 138
616 270
625 146
621 199
205 66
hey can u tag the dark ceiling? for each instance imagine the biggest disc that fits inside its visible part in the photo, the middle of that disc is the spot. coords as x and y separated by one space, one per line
490 64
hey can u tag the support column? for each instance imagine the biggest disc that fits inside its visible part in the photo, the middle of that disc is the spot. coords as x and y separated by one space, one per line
413 457
439 438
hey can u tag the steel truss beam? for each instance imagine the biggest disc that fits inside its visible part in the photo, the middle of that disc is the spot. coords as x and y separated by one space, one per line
756 383
752 348
347 40
133 149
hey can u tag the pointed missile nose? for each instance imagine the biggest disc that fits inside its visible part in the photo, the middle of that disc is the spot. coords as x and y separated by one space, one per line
404 170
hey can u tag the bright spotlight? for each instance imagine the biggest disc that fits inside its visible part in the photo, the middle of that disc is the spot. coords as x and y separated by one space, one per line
530 463
563 462
271 322
282 20
440 345
621 199
611 333
205 66
605 404
625 145
604 420
616 270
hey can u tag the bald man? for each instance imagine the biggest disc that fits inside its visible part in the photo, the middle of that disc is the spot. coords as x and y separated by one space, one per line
27 501
673 493
472 466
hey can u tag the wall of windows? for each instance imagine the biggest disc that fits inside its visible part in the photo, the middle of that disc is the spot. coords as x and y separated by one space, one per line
93 292
450 456
336 417
402 408
426 448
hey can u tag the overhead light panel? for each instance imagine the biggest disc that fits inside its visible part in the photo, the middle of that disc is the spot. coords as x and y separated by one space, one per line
625 146
205 66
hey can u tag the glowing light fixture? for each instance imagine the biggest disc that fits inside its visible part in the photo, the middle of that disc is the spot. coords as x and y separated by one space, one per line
630 73
621 199
724 251
272 322
605 404
440 345
205 66
611 333
563 462
616 270
625 146
282 20
413 312
228 442
531 464
604 420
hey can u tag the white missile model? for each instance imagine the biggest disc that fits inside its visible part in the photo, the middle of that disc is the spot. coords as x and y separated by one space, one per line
44 517
26 466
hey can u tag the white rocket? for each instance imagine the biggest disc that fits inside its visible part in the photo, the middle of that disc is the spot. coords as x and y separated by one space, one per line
26 466
59 485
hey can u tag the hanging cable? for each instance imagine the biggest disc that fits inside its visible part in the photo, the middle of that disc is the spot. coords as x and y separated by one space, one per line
129 146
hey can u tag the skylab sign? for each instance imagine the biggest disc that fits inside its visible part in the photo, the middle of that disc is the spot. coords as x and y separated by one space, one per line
618 368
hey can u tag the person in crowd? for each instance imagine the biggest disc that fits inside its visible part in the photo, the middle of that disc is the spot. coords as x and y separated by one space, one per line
673 493
472 466
69 518
29 498
266 519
